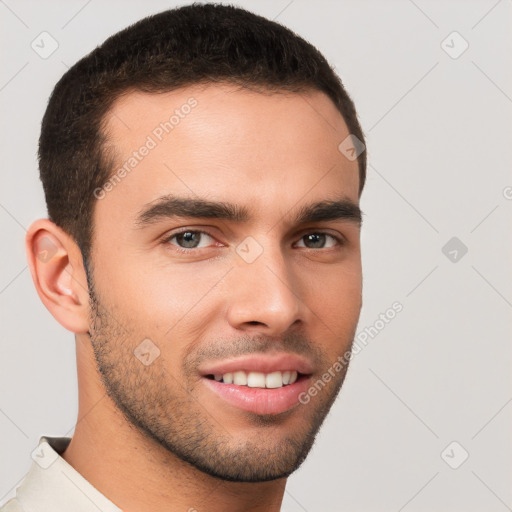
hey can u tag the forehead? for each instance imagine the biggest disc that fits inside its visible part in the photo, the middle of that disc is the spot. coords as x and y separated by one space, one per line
226 143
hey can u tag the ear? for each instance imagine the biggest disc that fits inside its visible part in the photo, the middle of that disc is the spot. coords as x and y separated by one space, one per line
58 273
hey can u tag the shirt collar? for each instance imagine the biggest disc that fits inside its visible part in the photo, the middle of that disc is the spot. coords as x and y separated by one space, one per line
53 485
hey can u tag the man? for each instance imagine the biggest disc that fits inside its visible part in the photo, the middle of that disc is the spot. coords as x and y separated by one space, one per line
202 171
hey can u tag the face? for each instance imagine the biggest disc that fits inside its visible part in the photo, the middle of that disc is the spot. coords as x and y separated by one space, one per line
226 273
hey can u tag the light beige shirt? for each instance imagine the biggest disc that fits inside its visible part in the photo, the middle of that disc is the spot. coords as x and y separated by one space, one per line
53 485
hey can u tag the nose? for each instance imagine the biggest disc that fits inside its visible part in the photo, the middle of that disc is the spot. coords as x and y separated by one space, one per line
265 295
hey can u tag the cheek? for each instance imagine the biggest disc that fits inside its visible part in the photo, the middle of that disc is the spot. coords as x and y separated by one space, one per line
335 289
336 302
168 302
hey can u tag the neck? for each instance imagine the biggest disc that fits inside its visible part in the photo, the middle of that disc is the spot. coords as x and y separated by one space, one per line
138 474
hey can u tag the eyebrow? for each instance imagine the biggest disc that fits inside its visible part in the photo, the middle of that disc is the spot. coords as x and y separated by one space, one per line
170 206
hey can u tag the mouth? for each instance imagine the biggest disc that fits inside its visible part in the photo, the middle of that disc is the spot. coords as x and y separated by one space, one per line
259 384
262 380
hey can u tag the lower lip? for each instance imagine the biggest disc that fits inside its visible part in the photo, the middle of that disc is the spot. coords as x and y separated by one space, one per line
260 400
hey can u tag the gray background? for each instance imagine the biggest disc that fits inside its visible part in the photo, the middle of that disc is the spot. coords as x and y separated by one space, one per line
439 145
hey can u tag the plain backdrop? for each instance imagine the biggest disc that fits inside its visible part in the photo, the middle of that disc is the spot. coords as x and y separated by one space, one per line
423 421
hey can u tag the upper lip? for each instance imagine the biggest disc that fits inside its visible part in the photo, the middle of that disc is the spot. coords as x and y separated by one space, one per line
264 363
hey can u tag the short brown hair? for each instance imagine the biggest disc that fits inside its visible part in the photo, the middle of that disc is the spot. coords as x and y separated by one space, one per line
199 43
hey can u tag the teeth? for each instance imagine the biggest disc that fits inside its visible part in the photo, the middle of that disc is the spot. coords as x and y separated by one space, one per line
274 380
240 379
257 379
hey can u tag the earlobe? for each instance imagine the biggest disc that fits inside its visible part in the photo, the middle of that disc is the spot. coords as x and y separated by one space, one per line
57 270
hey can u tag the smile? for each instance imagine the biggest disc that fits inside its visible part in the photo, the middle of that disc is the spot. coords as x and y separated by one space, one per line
257 379
260 384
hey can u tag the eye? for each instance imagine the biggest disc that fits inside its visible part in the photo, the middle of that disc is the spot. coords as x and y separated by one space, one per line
317 240
189 239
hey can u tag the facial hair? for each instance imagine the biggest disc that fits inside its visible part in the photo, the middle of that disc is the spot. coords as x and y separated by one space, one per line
165 409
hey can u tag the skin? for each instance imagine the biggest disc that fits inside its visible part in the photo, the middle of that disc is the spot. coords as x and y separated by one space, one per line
271 153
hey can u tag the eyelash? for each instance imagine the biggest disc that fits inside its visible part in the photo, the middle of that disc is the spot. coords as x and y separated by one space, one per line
183 250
